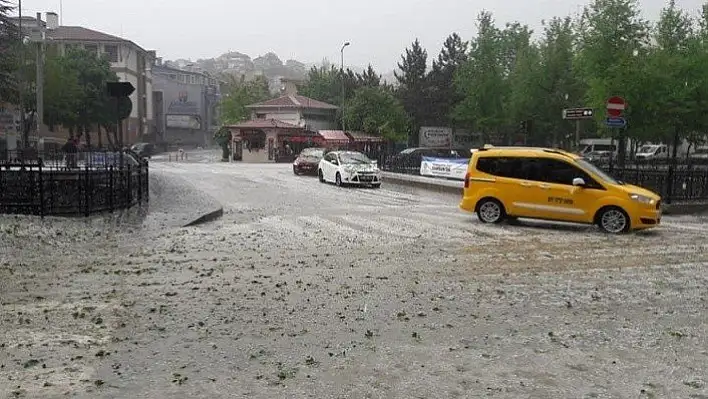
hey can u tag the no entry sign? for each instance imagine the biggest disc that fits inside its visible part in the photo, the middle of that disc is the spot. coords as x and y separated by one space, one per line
615 106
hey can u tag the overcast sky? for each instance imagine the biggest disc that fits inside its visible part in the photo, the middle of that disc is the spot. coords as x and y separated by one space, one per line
306 30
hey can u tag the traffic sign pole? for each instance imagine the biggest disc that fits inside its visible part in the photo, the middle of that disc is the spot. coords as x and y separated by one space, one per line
577 114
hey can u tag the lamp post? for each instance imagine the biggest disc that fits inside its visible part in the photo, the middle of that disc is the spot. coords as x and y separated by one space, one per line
21 80
342 77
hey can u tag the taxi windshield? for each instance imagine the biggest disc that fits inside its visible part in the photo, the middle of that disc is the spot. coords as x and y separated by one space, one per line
596 171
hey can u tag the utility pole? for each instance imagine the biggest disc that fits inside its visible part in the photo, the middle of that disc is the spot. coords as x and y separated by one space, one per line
40 77
342 73
21 80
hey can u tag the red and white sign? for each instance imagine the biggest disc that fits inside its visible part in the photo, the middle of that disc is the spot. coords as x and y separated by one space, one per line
615 106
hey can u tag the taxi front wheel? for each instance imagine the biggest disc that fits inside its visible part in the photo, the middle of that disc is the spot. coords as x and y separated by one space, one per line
613 220
489 210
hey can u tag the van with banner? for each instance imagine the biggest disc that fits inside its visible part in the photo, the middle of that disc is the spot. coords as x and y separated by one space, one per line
451 168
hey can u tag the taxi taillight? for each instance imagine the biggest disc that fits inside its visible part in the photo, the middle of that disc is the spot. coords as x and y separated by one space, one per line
467 180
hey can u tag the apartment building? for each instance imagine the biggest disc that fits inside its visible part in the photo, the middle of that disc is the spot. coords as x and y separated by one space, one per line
129 61
186 111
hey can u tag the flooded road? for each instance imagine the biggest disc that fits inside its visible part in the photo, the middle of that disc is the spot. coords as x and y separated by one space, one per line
309 290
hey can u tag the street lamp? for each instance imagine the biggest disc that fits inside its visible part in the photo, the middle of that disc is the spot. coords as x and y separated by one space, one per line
342 73
342 51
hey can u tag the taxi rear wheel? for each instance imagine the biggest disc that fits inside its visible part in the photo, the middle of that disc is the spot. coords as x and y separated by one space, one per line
612 220
490 210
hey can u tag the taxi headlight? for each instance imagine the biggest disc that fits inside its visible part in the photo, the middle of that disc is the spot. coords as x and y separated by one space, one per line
642 198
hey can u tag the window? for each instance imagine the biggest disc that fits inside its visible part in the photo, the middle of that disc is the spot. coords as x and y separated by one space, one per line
330 157
111 52
254 139
354 158
500 166
597 171
559 172
535 169
91 48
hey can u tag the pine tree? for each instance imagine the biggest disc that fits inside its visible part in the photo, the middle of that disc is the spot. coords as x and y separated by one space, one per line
442 92
413 90
369 78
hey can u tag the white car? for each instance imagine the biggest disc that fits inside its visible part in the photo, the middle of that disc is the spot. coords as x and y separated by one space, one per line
349 168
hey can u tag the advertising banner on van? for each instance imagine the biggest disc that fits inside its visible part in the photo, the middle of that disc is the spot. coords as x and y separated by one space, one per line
452 168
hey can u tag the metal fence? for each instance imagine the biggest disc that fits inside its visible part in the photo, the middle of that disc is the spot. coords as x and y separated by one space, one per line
682 180
72 184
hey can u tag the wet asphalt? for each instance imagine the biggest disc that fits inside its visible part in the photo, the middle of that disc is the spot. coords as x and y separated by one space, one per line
307 290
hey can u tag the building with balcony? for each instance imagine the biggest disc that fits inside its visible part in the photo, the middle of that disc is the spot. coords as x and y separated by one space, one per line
185 104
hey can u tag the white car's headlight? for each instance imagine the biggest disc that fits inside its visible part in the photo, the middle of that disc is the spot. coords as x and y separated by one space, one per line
642 198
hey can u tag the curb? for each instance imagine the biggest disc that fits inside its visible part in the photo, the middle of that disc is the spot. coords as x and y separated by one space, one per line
446 186
431 186
685 209
206 218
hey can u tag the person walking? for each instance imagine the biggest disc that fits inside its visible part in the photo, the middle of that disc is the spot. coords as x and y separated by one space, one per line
70 149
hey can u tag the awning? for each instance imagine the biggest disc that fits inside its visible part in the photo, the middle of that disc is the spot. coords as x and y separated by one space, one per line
361 137
301 139
334 136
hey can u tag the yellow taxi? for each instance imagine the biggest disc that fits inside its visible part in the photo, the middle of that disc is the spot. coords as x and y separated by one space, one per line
541 183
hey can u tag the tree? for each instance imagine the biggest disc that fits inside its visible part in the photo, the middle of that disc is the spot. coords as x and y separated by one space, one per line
612 41
413 88
9 38
559 87
521 69
480 80
95 107
443 94
239 95
223 137
675 70
369 78
376 111
325 83
62 93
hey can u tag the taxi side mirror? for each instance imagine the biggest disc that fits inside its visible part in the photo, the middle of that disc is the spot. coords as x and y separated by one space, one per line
579 182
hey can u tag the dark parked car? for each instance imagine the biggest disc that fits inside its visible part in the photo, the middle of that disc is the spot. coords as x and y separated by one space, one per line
144 150
410 158
306 163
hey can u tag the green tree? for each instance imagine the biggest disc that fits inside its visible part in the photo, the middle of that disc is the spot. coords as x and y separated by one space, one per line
376 110
442 91
95 107
324 83
613 39
558 82
8 53
480 81
521 62
241 94
413 88
223 137
675 70
62 93
368 78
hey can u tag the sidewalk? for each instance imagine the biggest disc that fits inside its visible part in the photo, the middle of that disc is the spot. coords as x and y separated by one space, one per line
455 187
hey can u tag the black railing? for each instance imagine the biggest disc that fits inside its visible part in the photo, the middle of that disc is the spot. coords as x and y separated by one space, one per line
683 180
81 183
